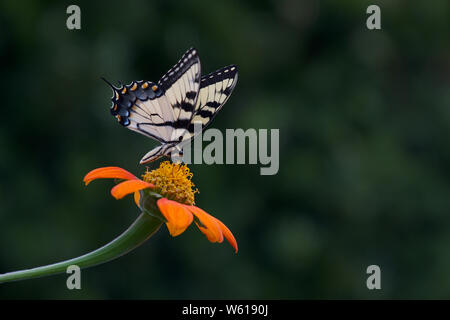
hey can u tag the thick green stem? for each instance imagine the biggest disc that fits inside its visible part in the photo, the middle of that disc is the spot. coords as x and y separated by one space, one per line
140 231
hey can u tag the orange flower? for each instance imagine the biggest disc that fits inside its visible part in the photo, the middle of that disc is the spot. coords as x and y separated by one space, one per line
176 204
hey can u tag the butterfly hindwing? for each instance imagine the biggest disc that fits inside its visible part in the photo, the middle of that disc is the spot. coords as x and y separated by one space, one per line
139 106
159 120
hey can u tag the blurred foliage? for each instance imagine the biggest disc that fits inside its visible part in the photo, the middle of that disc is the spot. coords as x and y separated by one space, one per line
364 119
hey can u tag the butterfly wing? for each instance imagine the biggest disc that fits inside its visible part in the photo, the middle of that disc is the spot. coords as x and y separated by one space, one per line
161 111
142 107
215 89
181 85
167 111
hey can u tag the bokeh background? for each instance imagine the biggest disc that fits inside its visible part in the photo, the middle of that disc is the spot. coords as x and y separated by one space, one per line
364 119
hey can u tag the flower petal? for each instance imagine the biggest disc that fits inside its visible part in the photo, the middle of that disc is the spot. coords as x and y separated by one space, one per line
137 197
130 186
178 217
108 172
227 234
208 225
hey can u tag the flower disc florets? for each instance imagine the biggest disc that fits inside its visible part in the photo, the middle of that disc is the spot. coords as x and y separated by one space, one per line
173 181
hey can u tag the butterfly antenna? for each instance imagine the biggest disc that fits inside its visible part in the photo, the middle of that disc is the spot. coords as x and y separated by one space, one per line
114 88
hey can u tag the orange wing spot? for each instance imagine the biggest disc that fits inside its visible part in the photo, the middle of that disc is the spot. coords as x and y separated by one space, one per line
117 96
134 87
145 85
118 117
154 88
124 90
115 107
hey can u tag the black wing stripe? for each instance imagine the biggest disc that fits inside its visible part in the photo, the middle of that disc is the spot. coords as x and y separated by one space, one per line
215 89
182 78
191 94
213 104
179 124
188 59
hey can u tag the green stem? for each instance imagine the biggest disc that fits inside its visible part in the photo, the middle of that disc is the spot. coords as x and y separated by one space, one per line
140 231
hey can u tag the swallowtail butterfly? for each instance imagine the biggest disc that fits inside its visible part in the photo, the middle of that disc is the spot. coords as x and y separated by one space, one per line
166 111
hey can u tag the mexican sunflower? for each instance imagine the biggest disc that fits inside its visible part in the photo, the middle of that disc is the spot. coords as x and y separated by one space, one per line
169 189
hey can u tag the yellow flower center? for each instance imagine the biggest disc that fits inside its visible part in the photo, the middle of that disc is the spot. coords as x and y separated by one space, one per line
172 181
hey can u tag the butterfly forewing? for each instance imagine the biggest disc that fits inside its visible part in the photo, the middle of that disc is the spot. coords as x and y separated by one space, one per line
181 85
215 89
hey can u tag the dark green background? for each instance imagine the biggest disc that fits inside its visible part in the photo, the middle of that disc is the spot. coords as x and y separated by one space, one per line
364 119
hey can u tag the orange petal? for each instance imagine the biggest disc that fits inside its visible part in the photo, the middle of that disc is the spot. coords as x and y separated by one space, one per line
177 216
108 172
227 234
130 186
208 226
137 197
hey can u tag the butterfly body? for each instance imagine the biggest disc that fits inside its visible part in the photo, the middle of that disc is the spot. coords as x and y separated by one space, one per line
166 111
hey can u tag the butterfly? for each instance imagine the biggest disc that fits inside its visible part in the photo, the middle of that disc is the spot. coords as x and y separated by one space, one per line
167 111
